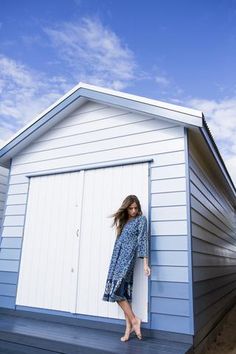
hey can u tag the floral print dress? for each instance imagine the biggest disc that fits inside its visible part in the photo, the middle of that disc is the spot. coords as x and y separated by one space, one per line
132 243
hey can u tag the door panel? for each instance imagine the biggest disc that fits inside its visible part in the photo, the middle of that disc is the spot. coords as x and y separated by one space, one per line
47 276
104 191
68 240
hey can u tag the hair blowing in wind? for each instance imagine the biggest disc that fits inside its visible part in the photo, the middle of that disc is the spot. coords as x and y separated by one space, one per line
121 215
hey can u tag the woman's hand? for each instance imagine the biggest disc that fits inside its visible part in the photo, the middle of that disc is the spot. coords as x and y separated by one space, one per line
147 270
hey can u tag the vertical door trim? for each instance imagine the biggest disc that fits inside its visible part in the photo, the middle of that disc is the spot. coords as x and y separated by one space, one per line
78 235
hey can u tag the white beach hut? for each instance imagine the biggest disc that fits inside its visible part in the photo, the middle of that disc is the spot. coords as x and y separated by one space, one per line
72 166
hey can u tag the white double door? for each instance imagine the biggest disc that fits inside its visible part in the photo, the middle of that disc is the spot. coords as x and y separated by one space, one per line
68 240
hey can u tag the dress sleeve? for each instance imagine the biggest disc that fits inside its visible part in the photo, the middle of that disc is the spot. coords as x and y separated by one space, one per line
143 248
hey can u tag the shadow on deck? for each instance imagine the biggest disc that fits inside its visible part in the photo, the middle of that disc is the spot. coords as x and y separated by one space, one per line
21 335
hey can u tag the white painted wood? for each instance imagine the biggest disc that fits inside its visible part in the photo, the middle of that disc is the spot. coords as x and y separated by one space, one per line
167 199
108 119
158 160
129 96
167 213
107 154
172 171
170 227
18 188
4 172
16 199
170 273
49 252
16 209
104 191
170 258
17 179
12 231
168 158
140 104
14 219
110 123
100 145
68 241
169 185
164 243
126 133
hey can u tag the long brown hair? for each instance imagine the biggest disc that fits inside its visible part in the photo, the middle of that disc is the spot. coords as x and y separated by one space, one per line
121 215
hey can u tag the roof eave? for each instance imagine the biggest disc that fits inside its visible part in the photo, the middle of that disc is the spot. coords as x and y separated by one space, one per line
205 131
174 113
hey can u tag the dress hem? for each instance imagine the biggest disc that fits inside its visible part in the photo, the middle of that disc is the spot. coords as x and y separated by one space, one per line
117 298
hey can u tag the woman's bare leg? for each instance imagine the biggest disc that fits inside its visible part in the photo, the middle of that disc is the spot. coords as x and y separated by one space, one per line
132 318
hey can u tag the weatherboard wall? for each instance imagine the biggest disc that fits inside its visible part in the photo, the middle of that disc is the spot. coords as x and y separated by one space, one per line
97 133
213 244
4 172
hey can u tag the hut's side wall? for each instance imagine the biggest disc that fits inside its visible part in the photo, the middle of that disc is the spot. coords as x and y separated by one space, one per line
213 244
97 133
4 172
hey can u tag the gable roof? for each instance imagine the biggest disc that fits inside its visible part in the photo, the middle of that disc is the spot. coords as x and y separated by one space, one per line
82 92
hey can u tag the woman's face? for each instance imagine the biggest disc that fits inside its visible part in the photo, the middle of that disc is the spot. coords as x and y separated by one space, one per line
132 210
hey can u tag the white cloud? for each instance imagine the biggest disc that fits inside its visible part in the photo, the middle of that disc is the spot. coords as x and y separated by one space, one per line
231 167
86 52
94 53
221 119
90 52
162 80
24 93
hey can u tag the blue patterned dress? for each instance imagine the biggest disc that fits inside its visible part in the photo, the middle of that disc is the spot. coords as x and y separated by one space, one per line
132 243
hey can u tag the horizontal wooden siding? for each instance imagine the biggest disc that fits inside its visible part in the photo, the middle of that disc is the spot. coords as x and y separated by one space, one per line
97 134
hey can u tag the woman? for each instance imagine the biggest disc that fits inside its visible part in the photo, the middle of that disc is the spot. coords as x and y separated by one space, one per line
131 242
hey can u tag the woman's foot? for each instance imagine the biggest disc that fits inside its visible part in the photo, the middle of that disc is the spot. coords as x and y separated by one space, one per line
128 331
136 323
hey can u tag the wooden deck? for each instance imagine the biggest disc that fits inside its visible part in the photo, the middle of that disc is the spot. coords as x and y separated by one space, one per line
23 335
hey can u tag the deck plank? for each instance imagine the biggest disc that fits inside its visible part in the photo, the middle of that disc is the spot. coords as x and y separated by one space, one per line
36 336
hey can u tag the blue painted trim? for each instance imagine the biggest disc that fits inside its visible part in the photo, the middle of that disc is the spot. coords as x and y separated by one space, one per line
8 289
93 166
150 244
189 230
174 290
8 277
75 315
7 302
11 242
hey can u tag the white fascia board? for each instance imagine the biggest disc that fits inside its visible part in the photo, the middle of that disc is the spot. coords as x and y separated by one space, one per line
148 101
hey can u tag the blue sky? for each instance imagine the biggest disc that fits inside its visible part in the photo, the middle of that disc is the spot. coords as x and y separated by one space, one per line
182 52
